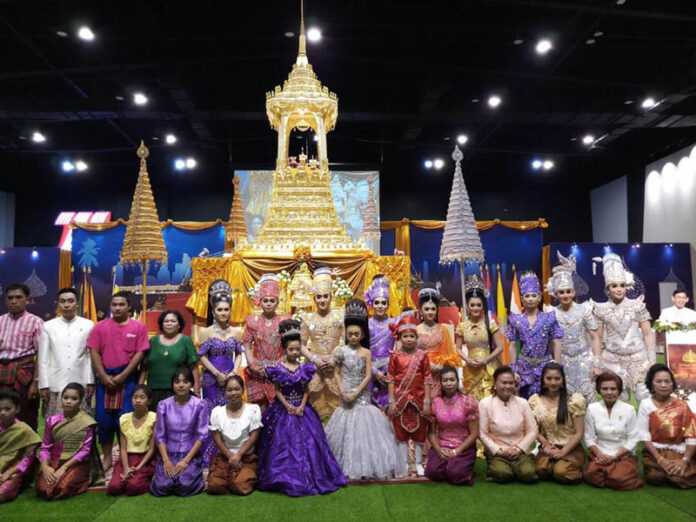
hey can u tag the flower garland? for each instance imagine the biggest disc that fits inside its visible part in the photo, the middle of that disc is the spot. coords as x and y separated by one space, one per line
666 326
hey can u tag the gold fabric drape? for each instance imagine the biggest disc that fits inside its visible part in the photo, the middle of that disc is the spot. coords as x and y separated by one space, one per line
64 269
243 272
403 233
546 271
183 225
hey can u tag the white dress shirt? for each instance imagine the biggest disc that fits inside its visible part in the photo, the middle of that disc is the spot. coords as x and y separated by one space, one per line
673 314
610 434
63 353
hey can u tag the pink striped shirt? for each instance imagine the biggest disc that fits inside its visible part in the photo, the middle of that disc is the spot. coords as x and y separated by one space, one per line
19 337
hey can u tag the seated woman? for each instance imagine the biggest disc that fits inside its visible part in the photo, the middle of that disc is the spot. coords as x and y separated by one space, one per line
235 430
180 429
453 434
508 430
18 443
168 350
69 458
133 471
561 426
611 436
667 428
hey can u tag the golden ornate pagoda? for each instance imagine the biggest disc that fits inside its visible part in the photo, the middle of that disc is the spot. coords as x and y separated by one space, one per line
301 211
235 230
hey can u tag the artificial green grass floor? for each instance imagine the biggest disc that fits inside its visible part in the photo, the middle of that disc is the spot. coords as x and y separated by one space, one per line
423 502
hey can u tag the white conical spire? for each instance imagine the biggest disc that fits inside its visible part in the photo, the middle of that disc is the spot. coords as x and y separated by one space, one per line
460 240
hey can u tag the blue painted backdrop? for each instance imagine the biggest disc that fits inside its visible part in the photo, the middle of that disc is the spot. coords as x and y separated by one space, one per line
37 268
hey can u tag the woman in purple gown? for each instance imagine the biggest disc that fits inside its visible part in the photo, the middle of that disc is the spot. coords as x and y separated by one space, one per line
539 334
381 338
294 454
180 429
220 353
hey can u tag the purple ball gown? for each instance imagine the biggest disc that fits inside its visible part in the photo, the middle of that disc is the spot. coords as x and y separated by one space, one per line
294 455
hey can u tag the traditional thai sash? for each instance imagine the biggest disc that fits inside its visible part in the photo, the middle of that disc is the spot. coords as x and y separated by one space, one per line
672 424
72 432
15 443
401 392
440 348
113 399
16 373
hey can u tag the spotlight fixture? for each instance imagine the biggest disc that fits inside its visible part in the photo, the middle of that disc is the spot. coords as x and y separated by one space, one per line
139 98
62 34
34 254
548 164
313 34
588 139
37 137
81 166
648 103
543 46
191 163
289 34
179 164
537 164
462 139
518 41
428 164
494 101
590 41
170 139
67 166
438 163
85 33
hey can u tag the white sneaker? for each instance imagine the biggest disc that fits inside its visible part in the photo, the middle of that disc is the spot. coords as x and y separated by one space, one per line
420 471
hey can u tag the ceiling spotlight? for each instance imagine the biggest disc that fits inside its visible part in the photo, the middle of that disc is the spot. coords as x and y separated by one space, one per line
62 34
537 164
80 165
494 101
628 102
518 41
34 254
462 139
648 103
548 164
543 46
119 97
170 139
85 33
598 33
179 164
37 137
588 139
590 41
139 98
191 163
438 163
67 166
289 34
475 100
428 164
313 34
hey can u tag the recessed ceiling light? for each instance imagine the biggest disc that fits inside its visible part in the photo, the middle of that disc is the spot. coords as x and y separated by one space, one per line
289 34
548 165
80 165
462 139
537 164
590 41
543 46
37 137
628 102
648 103
170 139
119 97
62 34
67 166
139 98
85 33
494 101
438 163
313 34
588 139
191 163
428 164
518 41
598 33
179 164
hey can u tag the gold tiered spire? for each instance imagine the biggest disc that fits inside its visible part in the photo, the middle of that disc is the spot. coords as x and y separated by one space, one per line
235 231
370 229
302 211
143 241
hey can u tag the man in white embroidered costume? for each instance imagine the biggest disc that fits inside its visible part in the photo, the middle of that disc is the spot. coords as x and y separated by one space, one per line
581 344
629 345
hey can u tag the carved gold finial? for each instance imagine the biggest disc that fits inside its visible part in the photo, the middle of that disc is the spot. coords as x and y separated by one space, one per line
303 39
143 152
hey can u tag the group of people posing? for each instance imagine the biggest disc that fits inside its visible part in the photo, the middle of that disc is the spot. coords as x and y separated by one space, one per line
339 396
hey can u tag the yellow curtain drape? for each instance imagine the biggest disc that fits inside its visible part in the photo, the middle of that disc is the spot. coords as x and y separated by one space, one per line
546 270
183 225
65 269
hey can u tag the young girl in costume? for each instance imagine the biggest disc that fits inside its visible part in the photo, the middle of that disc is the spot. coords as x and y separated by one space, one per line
180 430
262 342
359 435
133 471
409 390
69 458
235 428
294 455
18 442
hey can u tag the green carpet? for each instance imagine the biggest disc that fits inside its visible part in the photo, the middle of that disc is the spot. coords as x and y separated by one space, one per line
423 502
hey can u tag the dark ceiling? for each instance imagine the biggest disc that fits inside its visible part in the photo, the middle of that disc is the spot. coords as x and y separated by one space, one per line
409 75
